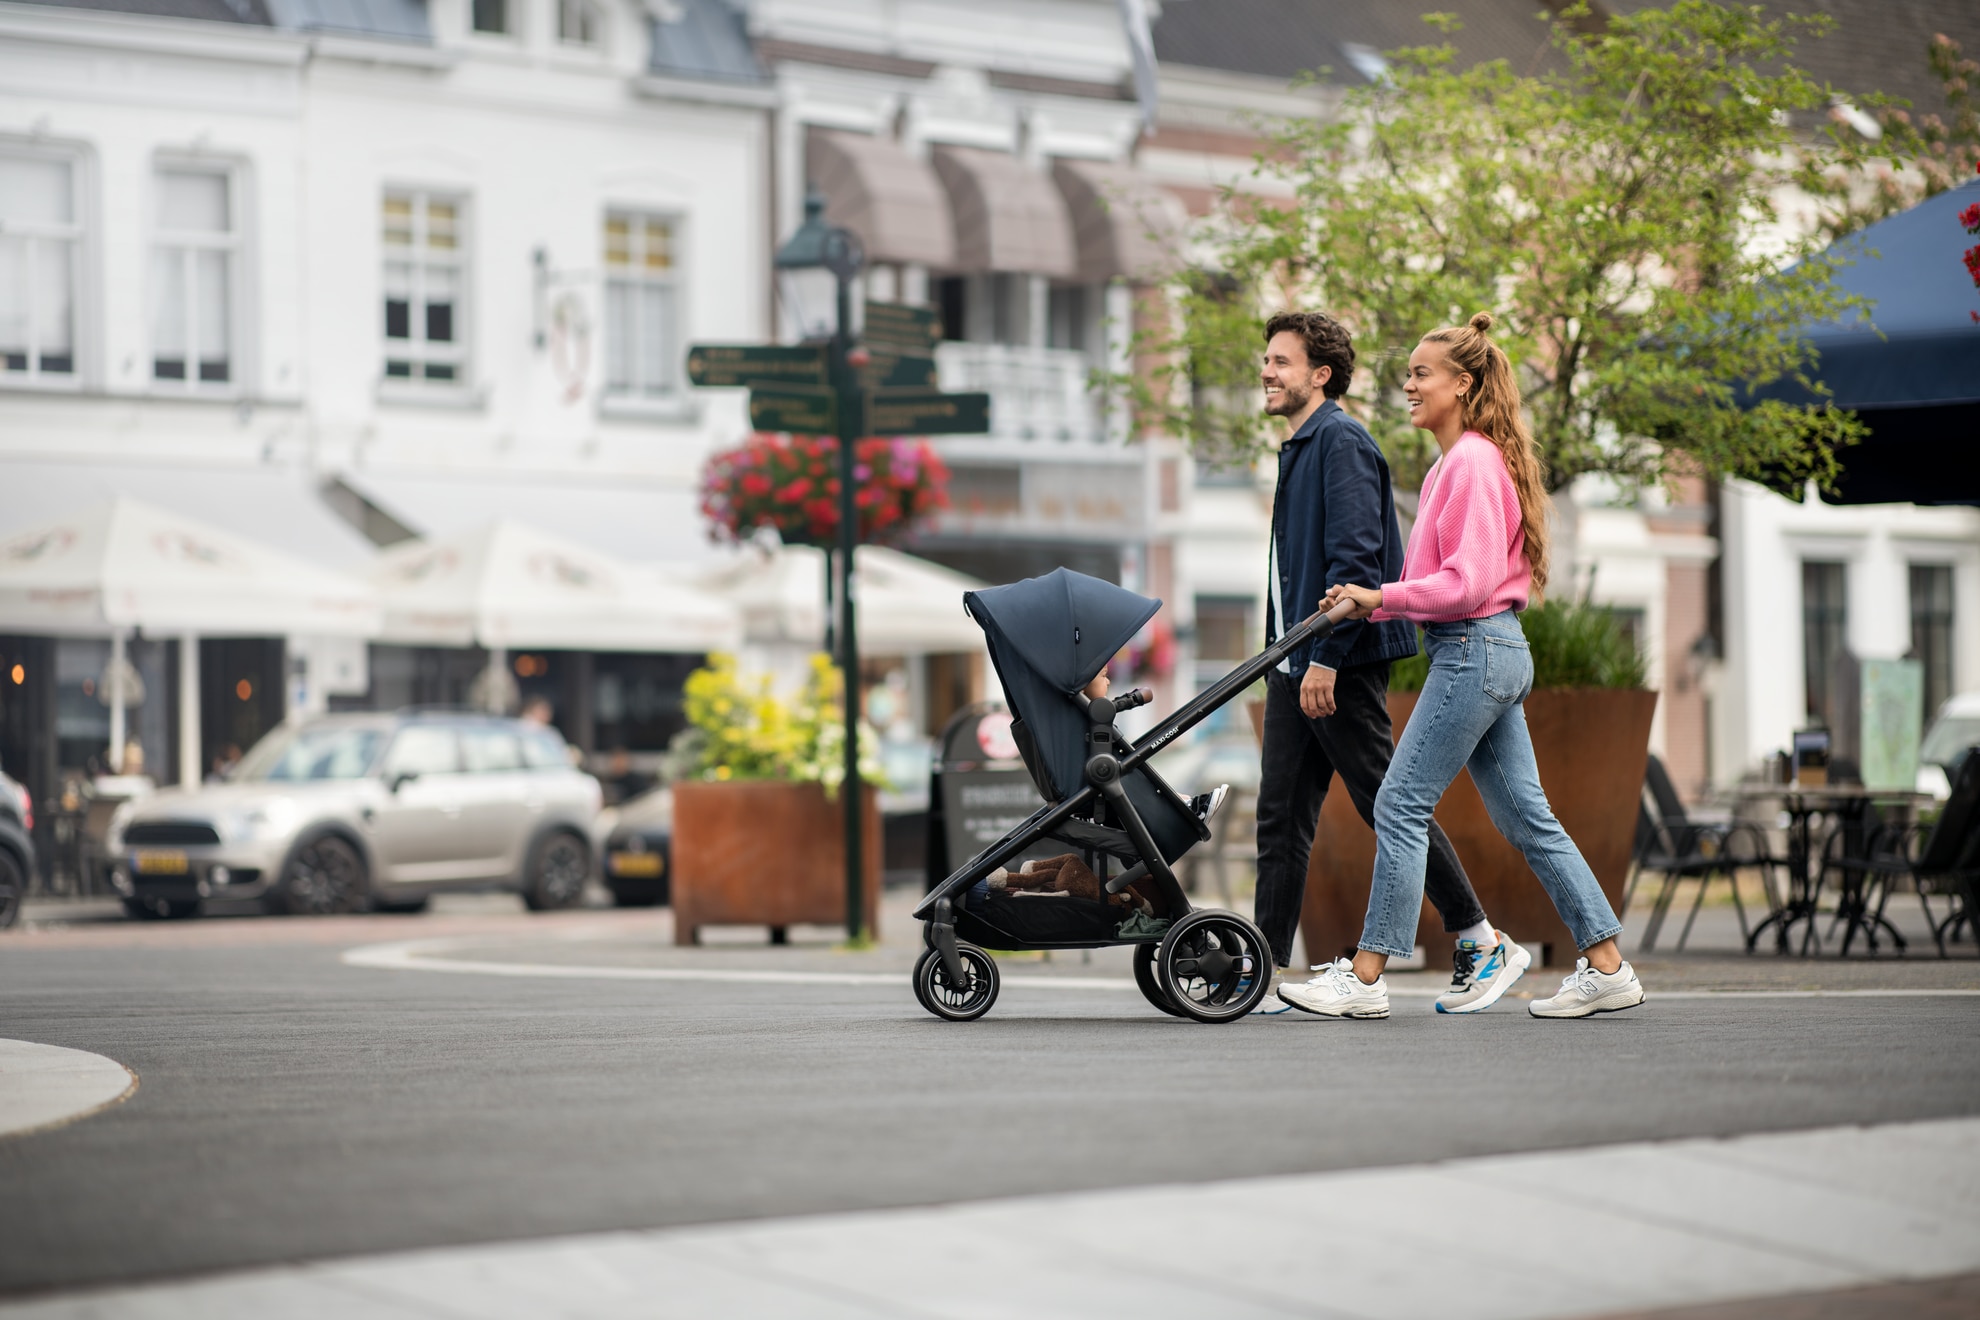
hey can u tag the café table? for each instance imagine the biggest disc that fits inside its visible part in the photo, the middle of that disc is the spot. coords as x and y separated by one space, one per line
1802 803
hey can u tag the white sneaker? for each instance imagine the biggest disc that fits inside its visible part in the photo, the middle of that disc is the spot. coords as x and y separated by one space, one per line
1481 976
1338 992
1271 1005
1586 992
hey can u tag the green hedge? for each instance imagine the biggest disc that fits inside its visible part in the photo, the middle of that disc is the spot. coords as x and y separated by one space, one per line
1574 646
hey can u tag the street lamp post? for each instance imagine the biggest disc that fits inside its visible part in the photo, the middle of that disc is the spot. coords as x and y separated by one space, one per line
819 251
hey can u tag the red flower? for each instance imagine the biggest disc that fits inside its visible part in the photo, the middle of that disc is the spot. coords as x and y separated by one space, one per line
1970 218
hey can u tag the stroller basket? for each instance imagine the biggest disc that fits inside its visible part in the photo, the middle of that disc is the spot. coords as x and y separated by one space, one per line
1048 637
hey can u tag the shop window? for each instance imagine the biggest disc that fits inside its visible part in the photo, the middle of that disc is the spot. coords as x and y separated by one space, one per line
40 243
1824 629
643 349
425 278
1932 630
192 279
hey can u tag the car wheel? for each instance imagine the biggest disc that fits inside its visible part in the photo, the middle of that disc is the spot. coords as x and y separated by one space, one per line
13 886
324 876
158 909
559 866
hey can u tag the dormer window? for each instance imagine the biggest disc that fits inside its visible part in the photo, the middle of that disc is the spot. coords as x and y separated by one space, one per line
491 16
579 23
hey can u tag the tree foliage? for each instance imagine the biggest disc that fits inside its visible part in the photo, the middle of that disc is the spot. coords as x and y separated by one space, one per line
1619 212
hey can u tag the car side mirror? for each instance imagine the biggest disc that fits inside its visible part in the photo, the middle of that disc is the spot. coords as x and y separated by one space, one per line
401 779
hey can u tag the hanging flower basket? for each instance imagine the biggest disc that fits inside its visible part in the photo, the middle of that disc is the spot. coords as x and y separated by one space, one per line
791 483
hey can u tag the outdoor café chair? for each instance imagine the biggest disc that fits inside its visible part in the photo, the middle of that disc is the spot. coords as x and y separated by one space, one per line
1940 857
1672 845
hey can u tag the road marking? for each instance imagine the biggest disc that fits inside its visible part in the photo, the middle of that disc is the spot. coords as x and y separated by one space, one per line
430 955
1602 1229
48 1086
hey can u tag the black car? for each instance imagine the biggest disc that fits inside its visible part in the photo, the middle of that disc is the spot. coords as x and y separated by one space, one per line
16 848
639 851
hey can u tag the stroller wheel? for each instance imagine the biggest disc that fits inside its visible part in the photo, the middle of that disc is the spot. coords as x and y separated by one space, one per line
1214 966
1150 985
963 1003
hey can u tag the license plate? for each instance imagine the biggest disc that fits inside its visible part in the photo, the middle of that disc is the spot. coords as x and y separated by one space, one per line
637 864
159 863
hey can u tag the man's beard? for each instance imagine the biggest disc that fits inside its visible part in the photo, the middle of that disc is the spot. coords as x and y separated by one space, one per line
1289 402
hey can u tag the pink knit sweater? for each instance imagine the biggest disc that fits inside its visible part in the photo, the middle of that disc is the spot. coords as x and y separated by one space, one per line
1467 555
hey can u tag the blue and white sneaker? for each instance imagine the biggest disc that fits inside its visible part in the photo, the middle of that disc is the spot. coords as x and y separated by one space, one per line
1481 976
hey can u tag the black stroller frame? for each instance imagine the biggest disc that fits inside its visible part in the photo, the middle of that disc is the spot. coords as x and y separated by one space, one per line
1206 964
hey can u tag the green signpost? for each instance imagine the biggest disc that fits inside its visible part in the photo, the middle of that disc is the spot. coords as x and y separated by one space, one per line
926 412
793 408
756 364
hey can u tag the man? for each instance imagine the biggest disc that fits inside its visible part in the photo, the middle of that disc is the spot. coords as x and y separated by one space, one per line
1326 707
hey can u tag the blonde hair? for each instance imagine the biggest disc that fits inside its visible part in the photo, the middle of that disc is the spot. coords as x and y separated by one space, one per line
1491 408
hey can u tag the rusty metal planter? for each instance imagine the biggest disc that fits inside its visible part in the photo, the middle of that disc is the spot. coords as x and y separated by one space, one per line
1591 743
766 853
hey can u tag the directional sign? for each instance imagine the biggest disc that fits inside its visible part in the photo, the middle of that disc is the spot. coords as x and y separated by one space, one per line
889 369
793 408
903 326
753 364
926 412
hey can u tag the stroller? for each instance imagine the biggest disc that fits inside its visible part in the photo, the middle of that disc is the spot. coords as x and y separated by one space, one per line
1048 637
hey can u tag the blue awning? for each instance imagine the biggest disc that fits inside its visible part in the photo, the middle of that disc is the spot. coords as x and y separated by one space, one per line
1908 366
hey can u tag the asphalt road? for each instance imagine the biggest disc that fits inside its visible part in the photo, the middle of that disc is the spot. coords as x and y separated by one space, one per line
292 1107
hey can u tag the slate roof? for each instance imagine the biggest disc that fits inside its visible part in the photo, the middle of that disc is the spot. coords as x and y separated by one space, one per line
1285 38
252 12
707 40
403 20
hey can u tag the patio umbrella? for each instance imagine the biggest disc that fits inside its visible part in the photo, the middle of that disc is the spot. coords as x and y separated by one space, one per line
907 606
124 563
504 585
1910 368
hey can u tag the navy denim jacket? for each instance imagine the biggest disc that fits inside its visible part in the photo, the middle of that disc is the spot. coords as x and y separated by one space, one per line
1334 520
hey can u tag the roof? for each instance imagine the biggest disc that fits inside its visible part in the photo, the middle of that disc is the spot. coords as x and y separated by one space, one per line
1286 38
705 39
403 20
252 12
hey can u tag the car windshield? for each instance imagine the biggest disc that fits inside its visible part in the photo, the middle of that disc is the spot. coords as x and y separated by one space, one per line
1949 737
337 752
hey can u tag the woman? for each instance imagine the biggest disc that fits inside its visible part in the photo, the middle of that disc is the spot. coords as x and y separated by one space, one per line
1478 552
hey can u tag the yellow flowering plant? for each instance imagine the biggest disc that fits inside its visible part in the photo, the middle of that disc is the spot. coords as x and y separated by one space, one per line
740 729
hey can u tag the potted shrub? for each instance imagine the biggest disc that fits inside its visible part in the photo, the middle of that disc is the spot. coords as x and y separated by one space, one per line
1590 718
759 837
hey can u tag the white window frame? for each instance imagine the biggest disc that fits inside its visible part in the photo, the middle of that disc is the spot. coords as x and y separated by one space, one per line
76 232
591 12
637 277
416 349
190 244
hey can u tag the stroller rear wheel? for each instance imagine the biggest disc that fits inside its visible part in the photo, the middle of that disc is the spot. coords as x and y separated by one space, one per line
964 1003
1149 984
1214 966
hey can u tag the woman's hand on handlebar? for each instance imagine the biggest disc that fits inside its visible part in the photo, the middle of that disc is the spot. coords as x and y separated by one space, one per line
1362 601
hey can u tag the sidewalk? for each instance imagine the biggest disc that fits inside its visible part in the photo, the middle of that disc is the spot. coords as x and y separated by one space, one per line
1660 1224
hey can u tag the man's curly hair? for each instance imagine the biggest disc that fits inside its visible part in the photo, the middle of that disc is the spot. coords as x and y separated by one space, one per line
1327 345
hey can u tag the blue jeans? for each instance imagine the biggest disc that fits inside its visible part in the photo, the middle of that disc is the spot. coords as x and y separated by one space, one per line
1470 717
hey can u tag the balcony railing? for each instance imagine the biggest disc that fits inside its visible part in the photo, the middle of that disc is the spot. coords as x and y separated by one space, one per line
1036 394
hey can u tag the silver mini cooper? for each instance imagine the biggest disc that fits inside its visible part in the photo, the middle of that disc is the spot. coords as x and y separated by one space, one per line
350 810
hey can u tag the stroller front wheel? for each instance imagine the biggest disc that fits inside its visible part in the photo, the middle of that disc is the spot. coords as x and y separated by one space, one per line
1214 966
956 1003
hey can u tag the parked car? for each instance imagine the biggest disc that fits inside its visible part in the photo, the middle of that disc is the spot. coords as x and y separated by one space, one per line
639 850
1955 729
16 848
386 809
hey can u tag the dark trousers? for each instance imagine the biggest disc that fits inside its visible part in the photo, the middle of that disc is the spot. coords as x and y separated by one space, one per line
1300 757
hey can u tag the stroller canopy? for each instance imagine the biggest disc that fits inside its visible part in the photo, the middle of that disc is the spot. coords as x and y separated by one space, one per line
1064 626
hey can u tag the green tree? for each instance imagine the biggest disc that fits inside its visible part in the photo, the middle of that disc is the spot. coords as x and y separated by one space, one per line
1618 213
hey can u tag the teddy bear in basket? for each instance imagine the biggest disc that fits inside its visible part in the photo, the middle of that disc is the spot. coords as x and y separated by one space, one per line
1067 874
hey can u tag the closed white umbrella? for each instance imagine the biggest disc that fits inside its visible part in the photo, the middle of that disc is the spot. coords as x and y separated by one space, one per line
508 586
907 606
124 563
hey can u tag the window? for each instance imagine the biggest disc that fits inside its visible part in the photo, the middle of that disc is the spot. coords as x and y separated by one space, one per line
424 274
40 234
486 751
423 750
1932 630
192 269
1824 618
642 307
491 16
1066 317
578 22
